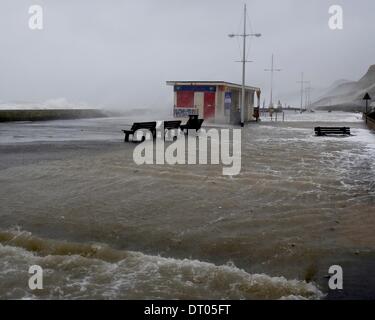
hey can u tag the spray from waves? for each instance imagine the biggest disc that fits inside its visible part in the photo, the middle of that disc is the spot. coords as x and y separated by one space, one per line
58 103
81 271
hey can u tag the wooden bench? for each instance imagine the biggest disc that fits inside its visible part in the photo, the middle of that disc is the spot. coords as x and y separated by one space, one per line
192 124
171 125
151 126
324 131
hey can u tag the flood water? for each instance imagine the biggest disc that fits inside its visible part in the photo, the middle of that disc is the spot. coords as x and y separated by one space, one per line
73 201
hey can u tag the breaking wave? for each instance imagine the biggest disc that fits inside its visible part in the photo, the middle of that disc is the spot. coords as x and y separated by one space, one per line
83 271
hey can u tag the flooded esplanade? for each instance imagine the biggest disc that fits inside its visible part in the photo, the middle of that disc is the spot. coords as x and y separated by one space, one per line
74 202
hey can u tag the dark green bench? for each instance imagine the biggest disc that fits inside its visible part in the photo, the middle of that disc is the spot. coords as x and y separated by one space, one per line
150 126
192 124
171 125
324 131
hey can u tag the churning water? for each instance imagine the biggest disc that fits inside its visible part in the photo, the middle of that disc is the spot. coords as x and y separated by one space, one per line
73 201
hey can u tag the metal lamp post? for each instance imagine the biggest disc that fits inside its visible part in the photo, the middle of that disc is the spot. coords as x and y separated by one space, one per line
272 70
302 82
244 35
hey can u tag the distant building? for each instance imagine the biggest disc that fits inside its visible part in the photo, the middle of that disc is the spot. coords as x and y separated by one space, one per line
215 101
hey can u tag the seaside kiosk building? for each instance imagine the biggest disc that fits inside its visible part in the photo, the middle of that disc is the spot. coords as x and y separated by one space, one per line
214 101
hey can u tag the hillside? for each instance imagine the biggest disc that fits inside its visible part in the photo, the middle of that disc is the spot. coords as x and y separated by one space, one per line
347 95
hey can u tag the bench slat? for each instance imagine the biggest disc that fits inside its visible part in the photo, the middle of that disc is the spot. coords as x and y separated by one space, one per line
321 131
172 124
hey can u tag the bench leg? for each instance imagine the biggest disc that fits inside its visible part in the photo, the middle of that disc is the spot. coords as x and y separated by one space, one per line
126 137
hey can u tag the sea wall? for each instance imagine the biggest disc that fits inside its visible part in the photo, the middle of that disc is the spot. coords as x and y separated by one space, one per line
49 114
370 122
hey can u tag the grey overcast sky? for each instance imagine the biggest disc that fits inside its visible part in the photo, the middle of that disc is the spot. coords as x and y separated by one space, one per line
119 53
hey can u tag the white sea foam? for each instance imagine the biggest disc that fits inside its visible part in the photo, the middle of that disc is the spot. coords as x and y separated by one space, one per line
139 276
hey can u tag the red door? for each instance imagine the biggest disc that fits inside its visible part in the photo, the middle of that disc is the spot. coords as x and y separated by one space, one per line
185 99
209 105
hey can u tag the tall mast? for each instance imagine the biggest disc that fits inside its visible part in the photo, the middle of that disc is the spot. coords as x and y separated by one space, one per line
244 61
302 82
272 70
243 70
302 92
